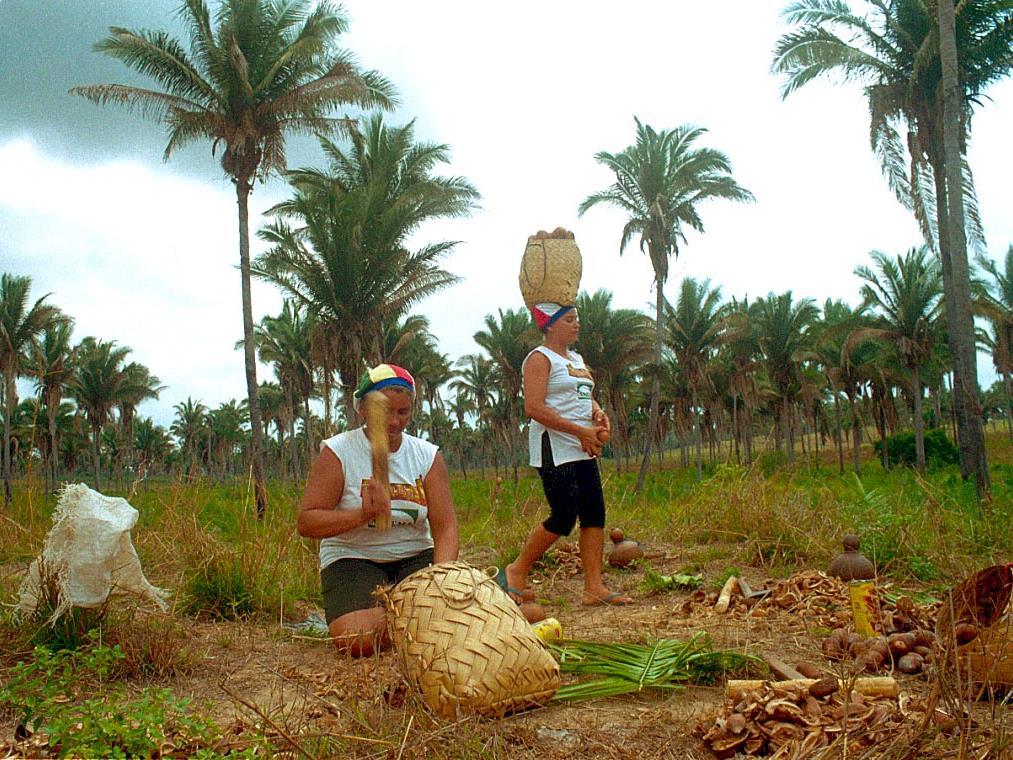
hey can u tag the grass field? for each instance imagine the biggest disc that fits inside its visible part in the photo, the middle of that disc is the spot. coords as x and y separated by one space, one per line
233 579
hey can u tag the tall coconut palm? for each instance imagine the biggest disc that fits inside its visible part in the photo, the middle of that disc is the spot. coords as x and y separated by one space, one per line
265 69
694 331
508 339
50 364
346 257
894 50
283 341
151 443
661 181
783 331
138 385
190 430
614 343
905 294
96 384
20 322
996 304
476 379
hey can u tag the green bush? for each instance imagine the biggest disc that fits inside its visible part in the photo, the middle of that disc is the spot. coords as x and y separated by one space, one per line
939 450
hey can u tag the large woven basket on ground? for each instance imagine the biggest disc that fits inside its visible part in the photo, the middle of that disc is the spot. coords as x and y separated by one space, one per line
550 269
464 645
989 657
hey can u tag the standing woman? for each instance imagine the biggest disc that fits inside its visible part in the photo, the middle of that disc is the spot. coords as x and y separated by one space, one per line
341 504
563 441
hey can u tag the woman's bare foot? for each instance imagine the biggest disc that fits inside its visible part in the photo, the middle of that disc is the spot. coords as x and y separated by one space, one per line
516 583
606 597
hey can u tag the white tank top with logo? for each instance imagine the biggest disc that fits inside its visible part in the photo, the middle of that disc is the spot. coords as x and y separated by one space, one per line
409 534
569 395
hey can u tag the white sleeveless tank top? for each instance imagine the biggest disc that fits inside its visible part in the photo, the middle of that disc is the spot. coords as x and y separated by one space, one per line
569 395
409 533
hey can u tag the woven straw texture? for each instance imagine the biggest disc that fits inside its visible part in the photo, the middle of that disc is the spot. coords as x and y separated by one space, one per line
464 645
990 656
550 272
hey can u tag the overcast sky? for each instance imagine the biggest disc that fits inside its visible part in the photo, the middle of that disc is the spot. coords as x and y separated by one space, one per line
145 252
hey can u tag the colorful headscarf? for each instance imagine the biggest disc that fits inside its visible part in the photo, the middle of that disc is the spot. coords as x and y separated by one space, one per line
546 314
384 376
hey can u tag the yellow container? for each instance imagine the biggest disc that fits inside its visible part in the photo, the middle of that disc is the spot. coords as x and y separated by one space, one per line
862 595
549 629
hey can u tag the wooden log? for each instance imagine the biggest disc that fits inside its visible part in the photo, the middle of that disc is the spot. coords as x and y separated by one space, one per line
725 597
782 669
375 411
878 686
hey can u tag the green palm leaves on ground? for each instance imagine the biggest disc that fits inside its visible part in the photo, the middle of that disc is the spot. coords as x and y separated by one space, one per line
627 668
263 69
339 245
660 182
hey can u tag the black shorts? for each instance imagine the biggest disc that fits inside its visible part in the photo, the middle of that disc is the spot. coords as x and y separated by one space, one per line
348 584
573 491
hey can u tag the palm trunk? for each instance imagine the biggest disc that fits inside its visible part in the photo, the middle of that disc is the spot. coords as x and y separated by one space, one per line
963 324
1009 404
699 436
10 398
919 424
652 416
837 434
786 413
51 406
96 431
856 435
243 188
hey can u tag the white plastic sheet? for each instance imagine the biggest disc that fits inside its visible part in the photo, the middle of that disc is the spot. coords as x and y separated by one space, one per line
88 554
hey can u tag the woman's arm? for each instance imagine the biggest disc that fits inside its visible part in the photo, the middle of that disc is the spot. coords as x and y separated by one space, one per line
318 516
536 387
442 520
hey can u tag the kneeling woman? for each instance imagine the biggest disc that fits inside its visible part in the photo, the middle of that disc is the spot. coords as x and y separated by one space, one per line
341 504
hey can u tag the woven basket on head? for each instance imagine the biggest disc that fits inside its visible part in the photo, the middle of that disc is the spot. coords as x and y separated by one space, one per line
550 269
464 645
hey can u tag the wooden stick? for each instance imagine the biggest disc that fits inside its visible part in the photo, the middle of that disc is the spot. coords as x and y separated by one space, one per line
725 598
375 407
782 669
879 686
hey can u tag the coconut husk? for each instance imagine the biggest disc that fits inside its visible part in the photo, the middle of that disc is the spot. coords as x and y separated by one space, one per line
464 645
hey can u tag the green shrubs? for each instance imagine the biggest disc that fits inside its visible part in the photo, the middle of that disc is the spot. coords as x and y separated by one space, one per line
939 450
45 694
220 589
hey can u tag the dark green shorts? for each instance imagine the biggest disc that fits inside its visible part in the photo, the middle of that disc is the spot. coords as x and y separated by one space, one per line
348 584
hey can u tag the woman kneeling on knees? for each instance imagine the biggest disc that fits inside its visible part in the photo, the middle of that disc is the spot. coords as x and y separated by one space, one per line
342 502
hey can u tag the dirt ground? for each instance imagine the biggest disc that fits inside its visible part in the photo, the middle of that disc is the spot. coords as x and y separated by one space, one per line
263 678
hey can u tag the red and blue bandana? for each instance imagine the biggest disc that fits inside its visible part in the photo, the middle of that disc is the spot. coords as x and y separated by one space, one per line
384 376
545 314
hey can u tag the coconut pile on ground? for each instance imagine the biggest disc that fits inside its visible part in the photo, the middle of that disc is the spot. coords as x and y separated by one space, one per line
793 720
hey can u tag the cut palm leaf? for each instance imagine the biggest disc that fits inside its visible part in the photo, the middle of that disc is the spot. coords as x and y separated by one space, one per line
627 668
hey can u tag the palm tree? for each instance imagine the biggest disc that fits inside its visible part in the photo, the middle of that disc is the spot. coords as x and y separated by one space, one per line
614 343
996 304
783 332
268 69
906 294
96 384
138 385
50 363
347 260
508 340
284 342
894 50
190 429
20 323
476 380
694 331
152 444
660 182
